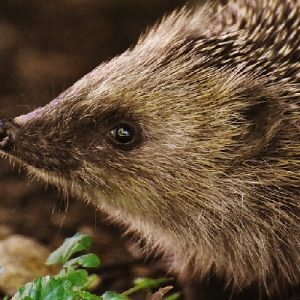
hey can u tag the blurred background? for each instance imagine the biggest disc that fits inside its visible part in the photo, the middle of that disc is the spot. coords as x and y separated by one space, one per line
45 46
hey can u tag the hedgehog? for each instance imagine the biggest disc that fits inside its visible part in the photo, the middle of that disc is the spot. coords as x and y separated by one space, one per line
190 139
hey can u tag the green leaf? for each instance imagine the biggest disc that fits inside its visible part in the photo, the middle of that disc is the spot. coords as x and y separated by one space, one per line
77 243
88 296
113 296
46 288
86 261
72 283
78 278
58 288
145 283
64 287
149 283
31 290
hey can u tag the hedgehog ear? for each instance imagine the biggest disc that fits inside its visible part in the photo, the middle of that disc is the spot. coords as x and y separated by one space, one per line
263 118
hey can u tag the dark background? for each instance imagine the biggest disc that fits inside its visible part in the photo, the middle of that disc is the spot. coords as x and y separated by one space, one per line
45 46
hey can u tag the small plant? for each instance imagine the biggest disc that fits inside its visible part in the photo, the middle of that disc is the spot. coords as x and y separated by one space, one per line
73 282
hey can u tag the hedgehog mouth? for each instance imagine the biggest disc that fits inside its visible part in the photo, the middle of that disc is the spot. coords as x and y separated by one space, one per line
46 175
12 159
68 187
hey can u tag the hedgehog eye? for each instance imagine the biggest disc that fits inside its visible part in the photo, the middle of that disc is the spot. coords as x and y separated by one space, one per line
122 135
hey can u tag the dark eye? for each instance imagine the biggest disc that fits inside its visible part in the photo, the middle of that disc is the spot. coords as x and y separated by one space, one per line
123 136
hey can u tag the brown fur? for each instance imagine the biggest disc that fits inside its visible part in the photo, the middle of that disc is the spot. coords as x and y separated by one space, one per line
214 180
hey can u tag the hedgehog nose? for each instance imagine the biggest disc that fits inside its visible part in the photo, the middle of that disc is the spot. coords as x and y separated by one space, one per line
5 136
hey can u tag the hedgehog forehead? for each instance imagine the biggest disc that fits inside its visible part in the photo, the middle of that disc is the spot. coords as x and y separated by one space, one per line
146 93
164 54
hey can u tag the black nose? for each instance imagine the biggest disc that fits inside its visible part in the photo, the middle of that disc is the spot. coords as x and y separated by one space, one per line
5 136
